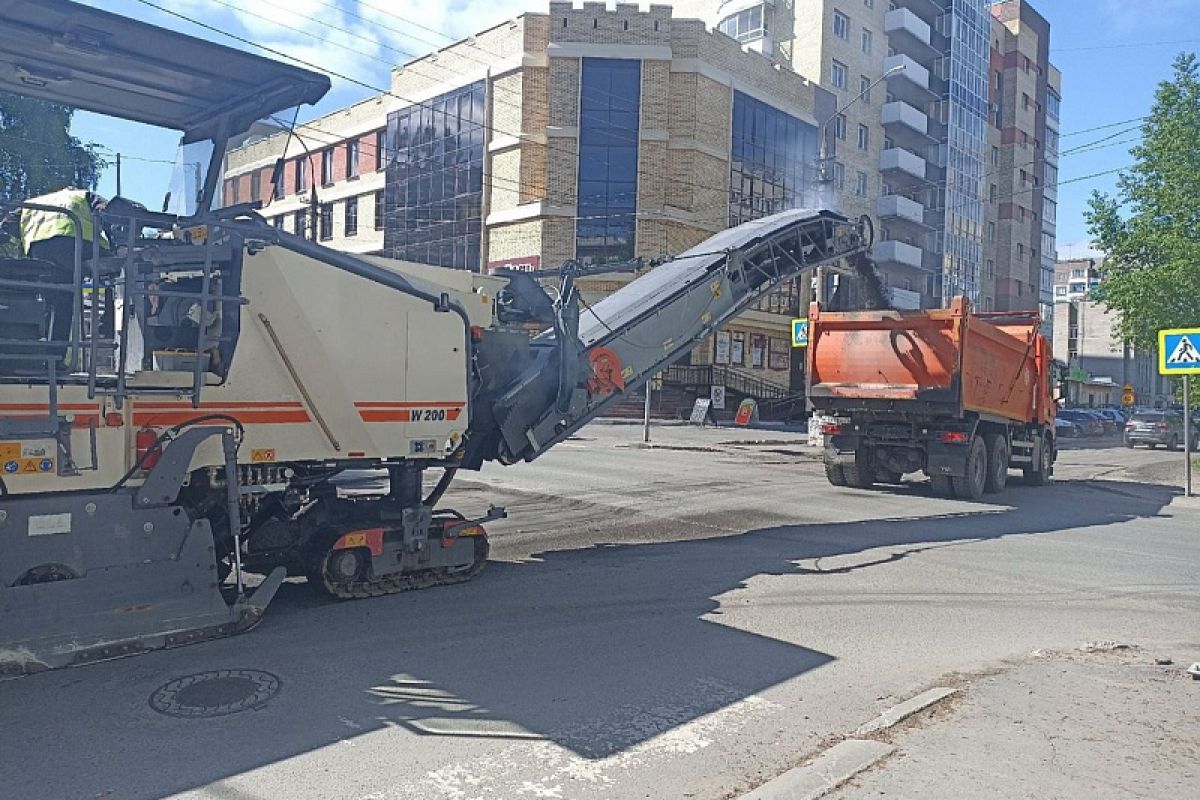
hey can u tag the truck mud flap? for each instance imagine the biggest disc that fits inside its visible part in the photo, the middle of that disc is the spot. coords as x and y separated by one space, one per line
86 578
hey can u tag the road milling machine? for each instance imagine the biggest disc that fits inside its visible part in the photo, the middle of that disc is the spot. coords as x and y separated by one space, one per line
217 374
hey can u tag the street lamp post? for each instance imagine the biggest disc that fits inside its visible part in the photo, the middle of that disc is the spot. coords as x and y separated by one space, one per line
825 162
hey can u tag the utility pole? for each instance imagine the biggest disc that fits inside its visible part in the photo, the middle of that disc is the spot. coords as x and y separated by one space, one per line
118 174
1187 435
646 419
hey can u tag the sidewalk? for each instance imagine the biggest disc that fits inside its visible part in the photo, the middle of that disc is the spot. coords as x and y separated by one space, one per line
1076 726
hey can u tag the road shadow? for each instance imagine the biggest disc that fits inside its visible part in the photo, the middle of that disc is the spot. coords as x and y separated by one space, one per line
598 650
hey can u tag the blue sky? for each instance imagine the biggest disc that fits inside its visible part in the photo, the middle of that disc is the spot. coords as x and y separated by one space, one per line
1112 54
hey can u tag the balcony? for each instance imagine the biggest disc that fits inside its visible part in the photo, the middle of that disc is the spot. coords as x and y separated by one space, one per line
926 9
905 168
908 33
898 207
894 252
906 125
911 84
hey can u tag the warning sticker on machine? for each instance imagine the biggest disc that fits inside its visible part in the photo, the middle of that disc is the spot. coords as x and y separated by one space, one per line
262 455
28 466
10 451
49 524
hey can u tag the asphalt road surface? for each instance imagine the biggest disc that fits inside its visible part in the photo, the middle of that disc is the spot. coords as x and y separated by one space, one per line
686 621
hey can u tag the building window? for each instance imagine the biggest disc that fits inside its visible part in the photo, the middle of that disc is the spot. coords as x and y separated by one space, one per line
991 234
352 148
1024 101
992 193
300 223
864 137
772 155
326 221
839 126
379 211
279 189
1020 250
235 186
327 167
1053 104
995 156
837 75
869 3
989 268
380 149
841 25
255 186
866 41
860 184
277 221
608 156
864 88
839 175
435 180
351 219
301 174
1060 291
747 25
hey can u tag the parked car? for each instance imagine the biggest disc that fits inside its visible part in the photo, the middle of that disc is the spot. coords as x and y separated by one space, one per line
1091 424
1153 428
1118 419
1066 429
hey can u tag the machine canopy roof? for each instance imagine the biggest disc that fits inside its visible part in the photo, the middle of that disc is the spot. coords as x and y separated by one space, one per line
90 59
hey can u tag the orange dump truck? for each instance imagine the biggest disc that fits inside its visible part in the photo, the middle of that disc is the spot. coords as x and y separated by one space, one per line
961 396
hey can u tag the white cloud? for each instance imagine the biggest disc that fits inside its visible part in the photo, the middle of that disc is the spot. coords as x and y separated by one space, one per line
1127 17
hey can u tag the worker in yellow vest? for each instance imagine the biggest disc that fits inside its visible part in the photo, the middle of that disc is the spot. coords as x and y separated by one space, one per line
50 237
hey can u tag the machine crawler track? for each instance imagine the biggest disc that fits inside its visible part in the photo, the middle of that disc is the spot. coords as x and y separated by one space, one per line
405 581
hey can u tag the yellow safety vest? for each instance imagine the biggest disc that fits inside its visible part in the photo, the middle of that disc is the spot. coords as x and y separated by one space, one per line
38 225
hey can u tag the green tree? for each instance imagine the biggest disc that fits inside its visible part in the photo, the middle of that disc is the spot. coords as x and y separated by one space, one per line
1150 232
38 154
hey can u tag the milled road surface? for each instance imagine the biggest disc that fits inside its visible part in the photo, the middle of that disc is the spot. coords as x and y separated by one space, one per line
686 621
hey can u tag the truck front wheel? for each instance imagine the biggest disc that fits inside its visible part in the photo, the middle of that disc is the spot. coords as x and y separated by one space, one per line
1040 475
973 482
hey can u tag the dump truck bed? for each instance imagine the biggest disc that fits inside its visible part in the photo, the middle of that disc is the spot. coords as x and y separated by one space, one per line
943 361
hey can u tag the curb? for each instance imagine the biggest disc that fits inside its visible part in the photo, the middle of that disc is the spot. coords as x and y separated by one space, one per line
904 710
824 773
847 758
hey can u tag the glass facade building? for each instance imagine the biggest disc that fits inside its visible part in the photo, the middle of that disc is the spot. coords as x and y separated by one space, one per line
609 106
774 157
434 191
963 148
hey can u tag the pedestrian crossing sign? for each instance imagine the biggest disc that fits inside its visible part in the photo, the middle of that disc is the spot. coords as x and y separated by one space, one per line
800 333
1179 351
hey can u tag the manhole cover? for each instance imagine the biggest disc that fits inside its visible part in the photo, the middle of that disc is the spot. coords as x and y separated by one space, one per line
215 693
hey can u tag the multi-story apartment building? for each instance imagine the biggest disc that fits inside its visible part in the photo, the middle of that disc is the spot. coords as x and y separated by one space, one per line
954 155
1022 174
1075 277
588 133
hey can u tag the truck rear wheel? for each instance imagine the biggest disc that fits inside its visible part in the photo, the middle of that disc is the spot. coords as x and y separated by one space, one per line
997 458
835 474
862 474
972 484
